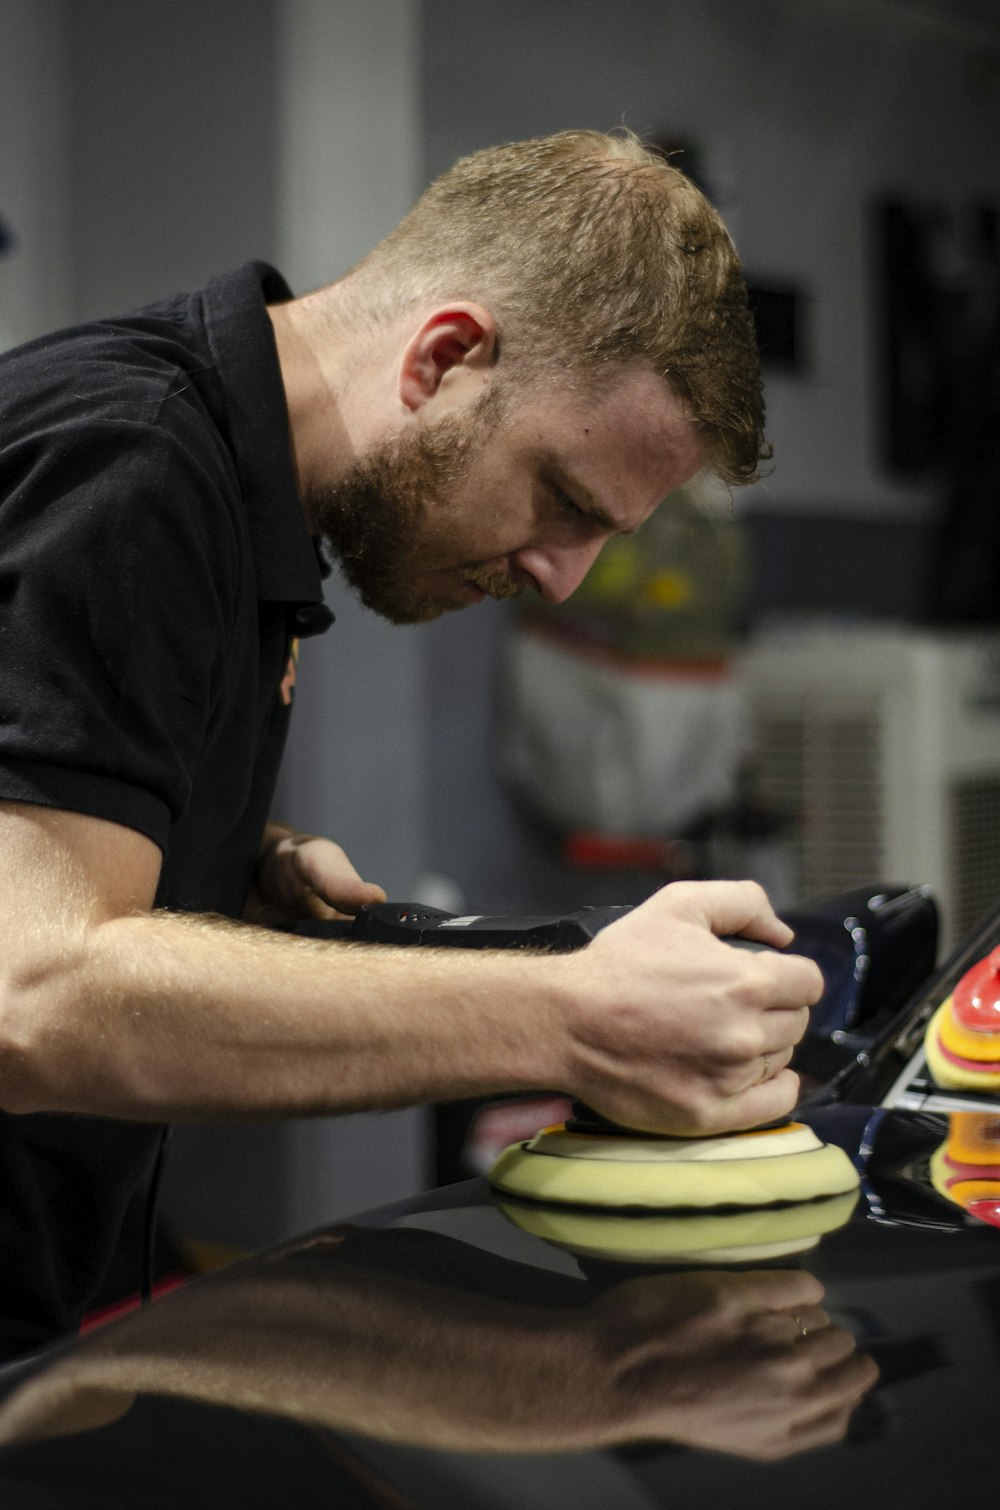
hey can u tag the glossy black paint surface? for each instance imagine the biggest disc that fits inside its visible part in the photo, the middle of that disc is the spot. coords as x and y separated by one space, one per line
364 1356
434 1354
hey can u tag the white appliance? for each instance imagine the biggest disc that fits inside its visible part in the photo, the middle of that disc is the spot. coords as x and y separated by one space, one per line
881 745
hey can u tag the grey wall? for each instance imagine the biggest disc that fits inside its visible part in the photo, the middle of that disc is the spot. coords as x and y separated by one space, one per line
173 146
35 276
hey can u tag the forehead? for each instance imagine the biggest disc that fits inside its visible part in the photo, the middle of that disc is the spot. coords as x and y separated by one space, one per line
628 442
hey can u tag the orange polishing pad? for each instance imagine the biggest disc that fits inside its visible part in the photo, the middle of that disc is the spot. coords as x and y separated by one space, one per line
963 1038
966 1168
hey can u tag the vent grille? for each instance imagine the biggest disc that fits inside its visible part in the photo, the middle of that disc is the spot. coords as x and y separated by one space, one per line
974 857
820 766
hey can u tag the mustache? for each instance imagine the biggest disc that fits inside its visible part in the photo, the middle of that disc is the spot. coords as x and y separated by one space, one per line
495 583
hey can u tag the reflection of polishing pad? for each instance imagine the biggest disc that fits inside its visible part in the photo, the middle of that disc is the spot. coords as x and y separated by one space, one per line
959 1059
707 1237
966 1167
637 1173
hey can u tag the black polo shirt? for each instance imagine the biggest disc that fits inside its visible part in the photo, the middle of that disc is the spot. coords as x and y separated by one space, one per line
155 568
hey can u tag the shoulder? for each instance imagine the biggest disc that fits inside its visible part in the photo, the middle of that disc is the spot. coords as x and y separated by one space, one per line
115 417
132 369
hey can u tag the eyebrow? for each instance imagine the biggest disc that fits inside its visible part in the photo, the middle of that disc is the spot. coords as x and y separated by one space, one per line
582 496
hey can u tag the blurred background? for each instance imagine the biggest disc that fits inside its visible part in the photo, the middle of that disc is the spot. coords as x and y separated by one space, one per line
802 683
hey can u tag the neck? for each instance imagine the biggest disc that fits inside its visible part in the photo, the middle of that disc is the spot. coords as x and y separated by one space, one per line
331 393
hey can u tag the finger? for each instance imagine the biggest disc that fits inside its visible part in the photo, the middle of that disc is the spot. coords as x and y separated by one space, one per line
343 902
785 1327
793 1290
826 1349
766 1101
790 981
759 1054
314 907
735 1077
741 1070
808 1320
762 1067
325 868
817 1431
839 1388
322 864
733 907
349 896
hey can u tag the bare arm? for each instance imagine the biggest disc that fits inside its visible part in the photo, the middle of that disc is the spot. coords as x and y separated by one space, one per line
108 1008
745 1363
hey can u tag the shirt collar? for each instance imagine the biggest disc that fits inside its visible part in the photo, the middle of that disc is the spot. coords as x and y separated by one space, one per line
242 342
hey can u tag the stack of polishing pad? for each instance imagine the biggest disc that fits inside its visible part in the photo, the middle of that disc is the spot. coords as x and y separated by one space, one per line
742 1197
962 1043
966 1168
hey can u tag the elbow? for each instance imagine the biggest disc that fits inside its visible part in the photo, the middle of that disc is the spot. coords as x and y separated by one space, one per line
19 1093
21 1055
35 1048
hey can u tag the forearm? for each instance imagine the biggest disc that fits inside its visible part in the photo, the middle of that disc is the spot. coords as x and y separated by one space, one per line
110 1009
410 1361
159 1016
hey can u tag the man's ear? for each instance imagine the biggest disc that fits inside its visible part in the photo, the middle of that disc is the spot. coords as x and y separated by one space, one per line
455 344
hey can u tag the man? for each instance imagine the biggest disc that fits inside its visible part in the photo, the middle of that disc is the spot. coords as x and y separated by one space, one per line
554 339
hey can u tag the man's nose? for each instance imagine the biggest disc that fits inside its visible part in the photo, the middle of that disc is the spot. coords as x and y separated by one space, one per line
558 570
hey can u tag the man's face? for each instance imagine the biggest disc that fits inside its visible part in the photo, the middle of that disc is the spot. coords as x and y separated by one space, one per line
506 495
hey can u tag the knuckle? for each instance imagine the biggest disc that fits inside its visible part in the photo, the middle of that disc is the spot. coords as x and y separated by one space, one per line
679 895
705 1117
799 1026
745 1042
754 990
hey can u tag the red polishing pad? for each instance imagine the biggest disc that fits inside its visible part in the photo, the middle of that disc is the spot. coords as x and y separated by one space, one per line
962 1042
975 1002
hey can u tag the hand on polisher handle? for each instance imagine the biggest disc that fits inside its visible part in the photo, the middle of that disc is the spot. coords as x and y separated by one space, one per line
670 1029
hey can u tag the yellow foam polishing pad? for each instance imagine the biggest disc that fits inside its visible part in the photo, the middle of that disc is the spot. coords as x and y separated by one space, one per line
959 1059
696 1237
616 1171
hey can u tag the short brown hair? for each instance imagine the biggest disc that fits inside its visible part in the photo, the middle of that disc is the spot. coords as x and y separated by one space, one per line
592 252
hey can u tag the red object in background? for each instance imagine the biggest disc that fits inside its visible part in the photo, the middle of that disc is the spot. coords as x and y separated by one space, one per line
588 850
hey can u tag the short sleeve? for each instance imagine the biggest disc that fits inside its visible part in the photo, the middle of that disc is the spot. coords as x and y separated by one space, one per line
118 578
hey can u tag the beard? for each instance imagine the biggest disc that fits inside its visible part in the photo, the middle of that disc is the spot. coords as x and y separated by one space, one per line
387 516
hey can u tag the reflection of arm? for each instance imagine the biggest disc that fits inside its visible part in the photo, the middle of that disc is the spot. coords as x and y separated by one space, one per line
706 1359
745 1363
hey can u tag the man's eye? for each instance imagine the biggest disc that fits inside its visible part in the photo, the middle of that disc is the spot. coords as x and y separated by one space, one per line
568 507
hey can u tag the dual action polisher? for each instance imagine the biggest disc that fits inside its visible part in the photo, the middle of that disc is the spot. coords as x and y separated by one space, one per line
767 1191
